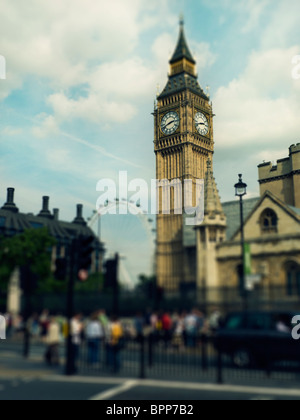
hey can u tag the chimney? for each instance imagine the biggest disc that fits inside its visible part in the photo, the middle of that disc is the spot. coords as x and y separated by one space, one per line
79 218
56 214
45 210
10 204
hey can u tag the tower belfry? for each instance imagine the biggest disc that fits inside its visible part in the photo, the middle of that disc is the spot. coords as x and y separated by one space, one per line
183 144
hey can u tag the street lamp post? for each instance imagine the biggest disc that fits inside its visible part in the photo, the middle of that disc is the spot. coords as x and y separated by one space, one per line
241 191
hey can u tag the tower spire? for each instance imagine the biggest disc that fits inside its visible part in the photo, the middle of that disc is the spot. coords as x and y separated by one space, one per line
213 204
181 20
182 50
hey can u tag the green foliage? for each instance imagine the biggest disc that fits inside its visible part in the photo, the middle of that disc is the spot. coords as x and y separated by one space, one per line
51 285
94 283
31 248
145 282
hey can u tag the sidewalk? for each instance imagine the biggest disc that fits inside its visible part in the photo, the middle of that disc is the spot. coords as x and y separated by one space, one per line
31 379
13 365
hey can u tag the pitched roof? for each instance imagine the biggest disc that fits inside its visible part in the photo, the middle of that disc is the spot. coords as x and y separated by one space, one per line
12 223
295 210
182 82
232 213
182 50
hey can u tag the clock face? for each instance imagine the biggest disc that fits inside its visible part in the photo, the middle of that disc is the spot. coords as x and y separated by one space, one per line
170 123
201 123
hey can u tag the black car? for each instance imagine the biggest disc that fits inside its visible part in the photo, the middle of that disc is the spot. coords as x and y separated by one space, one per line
256 338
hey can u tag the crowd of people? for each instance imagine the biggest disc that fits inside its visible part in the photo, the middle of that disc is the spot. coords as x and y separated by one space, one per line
179 330
97 330
175 330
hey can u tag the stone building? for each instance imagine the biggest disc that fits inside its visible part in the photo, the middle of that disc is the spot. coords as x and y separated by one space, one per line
209 256
272 229
183 142
283 178
13 222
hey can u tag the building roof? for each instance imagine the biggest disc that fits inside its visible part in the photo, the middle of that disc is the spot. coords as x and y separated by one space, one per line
232 213
15 223
183 79
181 82
12 222
295 210
182 50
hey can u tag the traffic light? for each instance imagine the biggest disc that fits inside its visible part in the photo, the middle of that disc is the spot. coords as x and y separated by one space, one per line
85 252
111 273
61 269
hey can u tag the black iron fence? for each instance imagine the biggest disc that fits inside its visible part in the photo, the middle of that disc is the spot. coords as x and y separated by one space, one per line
197 360
132 301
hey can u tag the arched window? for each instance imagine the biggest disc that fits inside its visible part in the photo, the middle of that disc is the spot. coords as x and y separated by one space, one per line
292 270
269 221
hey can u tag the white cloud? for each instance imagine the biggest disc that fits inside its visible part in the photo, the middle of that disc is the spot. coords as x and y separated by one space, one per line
283 24
163 47
47 128
262 105
92 43
10 131
92 108
128 79
68 42
203 55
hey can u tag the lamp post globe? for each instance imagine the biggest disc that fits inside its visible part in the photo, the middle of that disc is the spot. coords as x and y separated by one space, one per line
240 187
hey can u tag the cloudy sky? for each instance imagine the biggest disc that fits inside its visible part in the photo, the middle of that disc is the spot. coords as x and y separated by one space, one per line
82 76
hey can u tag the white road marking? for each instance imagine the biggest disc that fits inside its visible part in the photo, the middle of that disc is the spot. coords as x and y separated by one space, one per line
180 385
115 391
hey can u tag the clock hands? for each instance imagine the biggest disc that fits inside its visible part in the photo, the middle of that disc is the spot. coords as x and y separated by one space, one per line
166 125
170 123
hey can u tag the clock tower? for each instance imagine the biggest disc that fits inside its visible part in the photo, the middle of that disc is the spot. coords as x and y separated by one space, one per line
183 143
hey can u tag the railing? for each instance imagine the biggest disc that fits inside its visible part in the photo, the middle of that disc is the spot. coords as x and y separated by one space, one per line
196 358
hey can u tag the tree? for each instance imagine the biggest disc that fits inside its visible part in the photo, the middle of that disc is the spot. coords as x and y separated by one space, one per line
94 283
147 285
30 249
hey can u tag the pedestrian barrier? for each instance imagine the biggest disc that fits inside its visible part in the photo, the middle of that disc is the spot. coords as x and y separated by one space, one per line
199 359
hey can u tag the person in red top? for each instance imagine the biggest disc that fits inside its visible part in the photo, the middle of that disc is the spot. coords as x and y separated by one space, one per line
167 328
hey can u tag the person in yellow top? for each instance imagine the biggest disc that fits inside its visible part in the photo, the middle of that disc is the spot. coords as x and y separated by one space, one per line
115 344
